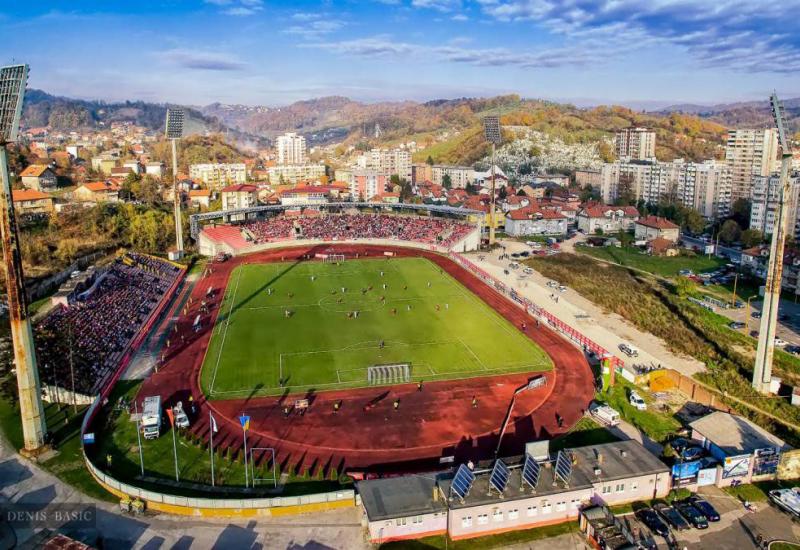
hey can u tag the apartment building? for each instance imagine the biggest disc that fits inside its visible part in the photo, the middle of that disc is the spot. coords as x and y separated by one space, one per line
705 187
608 219
365 184
387 161
750 153
414 506
219 175
635 144
291 149
239 196
294 173
765 201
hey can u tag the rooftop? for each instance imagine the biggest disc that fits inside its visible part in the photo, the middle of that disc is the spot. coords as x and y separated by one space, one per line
735 434
34 171
402 496
656 223
28 195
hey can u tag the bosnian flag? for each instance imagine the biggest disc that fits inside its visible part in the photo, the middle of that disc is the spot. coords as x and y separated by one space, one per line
213 422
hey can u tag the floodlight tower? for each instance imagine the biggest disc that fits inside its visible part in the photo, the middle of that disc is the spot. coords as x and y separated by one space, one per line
174 131
491 129
13 80
762 373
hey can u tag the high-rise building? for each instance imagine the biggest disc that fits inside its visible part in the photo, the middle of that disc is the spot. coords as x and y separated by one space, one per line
705 187
291 148
216 176
635 144
764 196
750 153
387 161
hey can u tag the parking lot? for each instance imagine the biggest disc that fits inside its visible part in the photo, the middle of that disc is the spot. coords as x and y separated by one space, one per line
788 322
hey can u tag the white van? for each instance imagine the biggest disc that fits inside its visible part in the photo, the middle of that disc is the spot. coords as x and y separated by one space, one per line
604 414
636 400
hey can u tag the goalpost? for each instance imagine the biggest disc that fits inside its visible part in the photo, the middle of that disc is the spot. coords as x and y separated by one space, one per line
395 373
333 259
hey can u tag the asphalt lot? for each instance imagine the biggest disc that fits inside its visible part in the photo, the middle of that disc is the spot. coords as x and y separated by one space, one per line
788 324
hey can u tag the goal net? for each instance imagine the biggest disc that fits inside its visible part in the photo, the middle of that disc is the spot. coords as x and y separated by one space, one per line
333 258
397 373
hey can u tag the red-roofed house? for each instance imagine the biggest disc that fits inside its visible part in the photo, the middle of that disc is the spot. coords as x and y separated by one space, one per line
388 198
662 247
31 201
239 196
200 198
39 177
308 194
654 227
535 220
610 219
97 191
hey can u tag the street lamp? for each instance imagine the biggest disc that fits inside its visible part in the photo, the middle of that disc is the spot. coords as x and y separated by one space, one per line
532 383
13 80
174 131
491 130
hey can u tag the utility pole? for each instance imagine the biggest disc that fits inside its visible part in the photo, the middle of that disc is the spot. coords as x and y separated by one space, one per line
762 373
174 131
491 129
13 80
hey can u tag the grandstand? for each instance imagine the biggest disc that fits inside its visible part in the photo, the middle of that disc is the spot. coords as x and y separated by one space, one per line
288 227
97 326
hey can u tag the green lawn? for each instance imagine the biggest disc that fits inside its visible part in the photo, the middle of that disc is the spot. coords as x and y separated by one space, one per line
585 432
428 320
659 426
663 266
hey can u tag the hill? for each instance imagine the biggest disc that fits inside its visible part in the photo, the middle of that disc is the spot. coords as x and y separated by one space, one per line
750 114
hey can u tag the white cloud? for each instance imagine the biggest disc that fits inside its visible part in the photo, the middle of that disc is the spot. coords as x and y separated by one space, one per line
201 60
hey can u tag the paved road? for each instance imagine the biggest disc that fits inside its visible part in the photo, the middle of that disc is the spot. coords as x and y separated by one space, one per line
733 253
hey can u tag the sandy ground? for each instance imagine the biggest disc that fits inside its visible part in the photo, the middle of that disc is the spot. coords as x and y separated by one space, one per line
607 329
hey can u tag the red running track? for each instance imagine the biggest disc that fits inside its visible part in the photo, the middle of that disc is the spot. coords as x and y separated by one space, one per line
435 422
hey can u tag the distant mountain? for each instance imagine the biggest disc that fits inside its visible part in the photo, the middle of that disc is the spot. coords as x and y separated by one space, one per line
750 114
61 113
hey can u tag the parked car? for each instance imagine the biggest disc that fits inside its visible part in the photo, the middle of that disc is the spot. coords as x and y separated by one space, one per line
524 254
680 443
686 272
671 516
756 315
562 288
705 507
692 453
794 350
653 522
527 271
781 343
735 325
691 514
628 350
636 400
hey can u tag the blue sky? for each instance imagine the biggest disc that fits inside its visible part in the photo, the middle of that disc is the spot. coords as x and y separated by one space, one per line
263 52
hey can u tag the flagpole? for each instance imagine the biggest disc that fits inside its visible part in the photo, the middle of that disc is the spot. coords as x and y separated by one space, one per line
138 433
211 445
246 475
175 451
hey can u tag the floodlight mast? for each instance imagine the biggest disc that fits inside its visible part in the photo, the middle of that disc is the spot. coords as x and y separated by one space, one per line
491 128
174 131
762 373
13 80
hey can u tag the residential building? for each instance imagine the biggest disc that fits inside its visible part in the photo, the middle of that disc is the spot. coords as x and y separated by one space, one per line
755 261
484 179
387 161
460 176
216 176
608 219
295 173
306 195
764 203
155 169
421 173
291 149
368 183
200 198
560 180
32 201
413 506
105 163
654 227
39 177
750 153
133 166
705 187
635 144
239 196
587 177
535 220
97 191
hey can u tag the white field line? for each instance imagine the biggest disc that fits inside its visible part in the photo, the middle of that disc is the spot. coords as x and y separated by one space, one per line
225 332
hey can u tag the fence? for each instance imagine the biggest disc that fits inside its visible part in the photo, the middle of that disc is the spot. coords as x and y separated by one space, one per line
568 331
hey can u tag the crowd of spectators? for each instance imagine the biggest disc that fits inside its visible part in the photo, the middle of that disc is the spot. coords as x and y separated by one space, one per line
92 334
426 230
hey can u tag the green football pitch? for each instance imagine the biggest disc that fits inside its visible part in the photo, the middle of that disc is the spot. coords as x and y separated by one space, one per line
292 326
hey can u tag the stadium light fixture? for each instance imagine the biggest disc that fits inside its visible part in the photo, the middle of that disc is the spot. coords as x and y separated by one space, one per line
779 116
13 80
174 126
491 129
174 131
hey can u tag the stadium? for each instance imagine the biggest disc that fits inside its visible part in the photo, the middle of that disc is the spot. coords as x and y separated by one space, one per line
356 339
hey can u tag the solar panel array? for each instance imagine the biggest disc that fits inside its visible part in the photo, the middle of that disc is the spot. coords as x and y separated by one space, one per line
499 478
462 483
530 472
564 466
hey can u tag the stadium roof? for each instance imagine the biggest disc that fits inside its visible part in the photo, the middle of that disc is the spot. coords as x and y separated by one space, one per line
403 496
